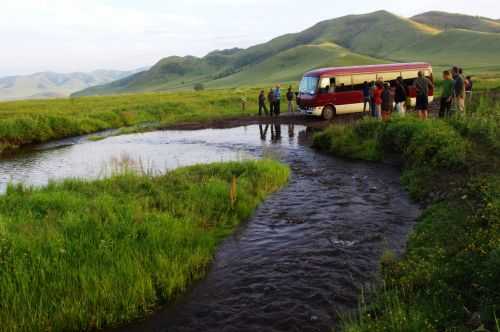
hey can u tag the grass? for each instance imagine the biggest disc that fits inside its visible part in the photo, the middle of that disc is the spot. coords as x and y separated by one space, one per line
448 278
26 122
80 255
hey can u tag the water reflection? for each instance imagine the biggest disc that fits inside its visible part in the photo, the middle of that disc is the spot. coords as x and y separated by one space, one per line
160 151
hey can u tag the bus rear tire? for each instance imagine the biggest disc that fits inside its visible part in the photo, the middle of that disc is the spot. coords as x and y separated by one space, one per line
328 113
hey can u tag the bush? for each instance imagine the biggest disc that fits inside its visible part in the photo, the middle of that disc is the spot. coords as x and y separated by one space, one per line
199 87
343 141
453 256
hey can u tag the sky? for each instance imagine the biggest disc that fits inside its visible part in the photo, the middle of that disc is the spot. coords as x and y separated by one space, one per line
84 35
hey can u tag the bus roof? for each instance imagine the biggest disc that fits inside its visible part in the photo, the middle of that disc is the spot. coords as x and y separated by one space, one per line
370 69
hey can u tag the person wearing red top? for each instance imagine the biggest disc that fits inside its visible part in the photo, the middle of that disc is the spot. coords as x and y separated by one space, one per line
377 97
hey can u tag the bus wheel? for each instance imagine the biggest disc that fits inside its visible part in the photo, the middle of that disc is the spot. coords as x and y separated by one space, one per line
328 113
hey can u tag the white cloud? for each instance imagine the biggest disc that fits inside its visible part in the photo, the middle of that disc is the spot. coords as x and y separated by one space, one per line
68 35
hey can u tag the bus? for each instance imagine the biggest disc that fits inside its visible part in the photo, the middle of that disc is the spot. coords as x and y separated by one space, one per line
327 92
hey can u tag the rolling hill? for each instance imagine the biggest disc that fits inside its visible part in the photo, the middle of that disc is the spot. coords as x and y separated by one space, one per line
445 21
52 85
355 39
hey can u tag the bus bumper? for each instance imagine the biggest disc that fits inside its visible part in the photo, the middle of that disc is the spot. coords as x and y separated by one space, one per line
315 111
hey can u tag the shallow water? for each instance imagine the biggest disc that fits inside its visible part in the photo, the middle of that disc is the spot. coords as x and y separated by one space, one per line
302 258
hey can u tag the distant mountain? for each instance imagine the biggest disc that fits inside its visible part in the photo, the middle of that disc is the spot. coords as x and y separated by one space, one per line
350 40
53 85
447 21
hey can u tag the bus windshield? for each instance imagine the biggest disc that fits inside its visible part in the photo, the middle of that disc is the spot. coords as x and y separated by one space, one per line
308 85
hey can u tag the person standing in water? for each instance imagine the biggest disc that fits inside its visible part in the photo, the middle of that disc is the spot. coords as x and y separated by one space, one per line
277 100
270 99
262 103
422 85
289 98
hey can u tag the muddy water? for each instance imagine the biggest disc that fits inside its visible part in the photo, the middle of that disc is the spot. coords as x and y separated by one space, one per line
302 258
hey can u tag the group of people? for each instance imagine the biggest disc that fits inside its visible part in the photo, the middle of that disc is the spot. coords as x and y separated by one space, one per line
383 99
456 89
274 100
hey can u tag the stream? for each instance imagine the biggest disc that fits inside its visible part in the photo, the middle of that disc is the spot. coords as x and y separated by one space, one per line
302 259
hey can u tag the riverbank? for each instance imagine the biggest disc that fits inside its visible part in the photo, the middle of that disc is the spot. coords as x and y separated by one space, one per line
448 278
80 255
38 121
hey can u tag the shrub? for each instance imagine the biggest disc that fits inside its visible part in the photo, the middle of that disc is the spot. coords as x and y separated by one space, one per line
199 87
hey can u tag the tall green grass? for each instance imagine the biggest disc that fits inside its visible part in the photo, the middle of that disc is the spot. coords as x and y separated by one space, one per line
35 121
448 278
79 255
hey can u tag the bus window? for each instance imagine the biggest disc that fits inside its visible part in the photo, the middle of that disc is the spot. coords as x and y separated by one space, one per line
361 79
325 85
358 81
409 74
392 76
343 83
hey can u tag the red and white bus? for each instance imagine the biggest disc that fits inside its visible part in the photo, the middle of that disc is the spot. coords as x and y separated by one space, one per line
329 91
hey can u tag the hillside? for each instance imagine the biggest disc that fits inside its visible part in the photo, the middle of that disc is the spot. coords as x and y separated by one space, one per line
52 85
445 21
355 39
469 48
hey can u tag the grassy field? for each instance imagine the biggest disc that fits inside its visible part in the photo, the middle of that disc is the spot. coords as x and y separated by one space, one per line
35 121
80 255
448 278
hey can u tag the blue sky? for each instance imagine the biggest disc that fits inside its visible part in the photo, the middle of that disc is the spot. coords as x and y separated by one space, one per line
83 35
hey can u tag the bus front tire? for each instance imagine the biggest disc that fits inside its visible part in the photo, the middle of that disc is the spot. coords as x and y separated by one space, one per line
328 113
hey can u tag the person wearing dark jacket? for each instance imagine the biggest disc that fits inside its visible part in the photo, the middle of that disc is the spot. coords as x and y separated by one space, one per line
270 100
400 96
387 102
289 98
366 95
262 103
459 89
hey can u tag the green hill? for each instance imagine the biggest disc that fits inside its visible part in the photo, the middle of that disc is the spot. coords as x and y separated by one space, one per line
447 21
290 65
54 85
350 40
468 48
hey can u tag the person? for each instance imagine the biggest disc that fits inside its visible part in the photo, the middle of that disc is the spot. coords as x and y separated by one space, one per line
366 96
277 100
262 103
387 102
270 99
422 85
400 96
377 99
372 99
468 88
289 98
263 132
459 89
446 95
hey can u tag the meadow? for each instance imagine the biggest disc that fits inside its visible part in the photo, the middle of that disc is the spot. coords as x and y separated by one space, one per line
36 121
448 278
81 255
